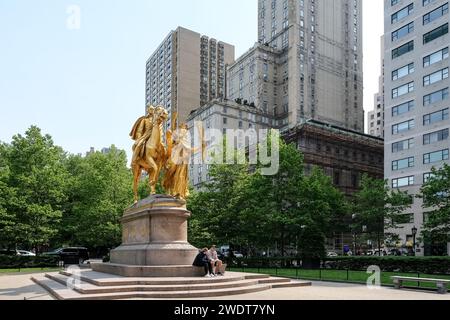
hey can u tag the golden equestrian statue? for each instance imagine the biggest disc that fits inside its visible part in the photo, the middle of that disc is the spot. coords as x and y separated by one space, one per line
149 152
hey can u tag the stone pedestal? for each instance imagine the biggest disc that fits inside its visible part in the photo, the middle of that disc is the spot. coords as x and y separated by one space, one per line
154 241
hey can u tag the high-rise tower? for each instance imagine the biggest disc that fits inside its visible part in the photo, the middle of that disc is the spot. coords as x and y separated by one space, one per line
317 72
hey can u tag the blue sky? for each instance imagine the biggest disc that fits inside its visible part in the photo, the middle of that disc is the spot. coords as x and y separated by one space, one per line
86 87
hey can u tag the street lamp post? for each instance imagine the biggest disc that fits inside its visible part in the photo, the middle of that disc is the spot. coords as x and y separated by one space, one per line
414 233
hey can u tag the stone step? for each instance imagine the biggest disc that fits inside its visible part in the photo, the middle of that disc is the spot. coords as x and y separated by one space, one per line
293 284
164 271
274 280
61 292
106 280
88 288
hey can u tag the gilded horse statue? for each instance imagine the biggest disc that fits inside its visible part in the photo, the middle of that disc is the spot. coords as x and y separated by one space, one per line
149 152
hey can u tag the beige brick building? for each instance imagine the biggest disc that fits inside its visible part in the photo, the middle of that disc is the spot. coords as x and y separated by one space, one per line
187 71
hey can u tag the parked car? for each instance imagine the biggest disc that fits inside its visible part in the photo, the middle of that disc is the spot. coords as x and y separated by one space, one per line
377 252
332 254
25 253
398 252
72 255
5 252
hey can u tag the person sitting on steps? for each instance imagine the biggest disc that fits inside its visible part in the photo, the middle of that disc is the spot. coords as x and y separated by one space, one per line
201 260
216 263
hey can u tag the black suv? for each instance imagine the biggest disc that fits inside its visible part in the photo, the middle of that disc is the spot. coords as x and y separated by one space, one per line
72 255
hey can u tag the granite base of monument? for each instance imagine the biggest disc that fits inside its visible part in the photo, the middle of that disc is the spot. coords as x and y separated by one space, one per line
154 241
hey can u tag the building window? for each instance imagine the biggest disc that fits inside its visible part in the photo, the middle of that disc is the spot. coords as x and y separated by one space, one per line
435 77
402 145
403 164
434 137
403 182
435 156
435 14
408 47
403 31
354 181
435 117
402 90
402 72
435 97
225 120
426 2
427 176
403 13
337 178
403 108
403 127
406 218
436 33
435 57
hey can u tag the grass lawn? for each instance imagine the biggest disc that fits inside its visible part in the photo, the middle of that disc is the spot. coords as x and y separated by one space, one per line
25 270
341 275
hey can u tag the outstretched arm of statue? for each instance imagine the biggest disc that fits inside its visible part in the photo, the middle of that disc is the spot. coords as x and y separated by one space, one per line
202 149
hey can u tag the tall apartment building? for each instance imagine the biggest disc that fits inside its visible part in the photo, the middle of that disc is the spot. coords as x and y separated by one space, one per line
311 57
375 118
417 110
187 71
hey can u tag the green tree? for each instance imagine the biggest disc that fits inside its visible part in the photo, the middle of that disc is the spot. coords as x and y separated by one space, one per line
34 178
242 206
216 209
377 208
436 199
324 209
100 190
8 200
275 200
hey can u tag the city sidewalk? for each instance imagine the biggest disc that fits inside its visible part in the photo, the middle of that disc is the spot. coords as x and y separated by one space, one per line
20 287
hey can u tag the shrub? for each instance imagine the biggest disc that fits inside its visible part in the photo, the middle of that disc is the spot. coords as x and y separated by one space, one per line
15 262
430 265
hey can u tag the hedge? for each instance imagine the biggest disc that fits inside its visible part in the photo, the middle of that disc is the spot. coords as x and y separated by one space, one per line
428 265
13 262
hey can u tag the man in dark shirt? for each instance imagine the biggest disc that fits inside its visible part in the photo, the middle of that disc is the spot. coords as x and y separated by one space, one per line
201 260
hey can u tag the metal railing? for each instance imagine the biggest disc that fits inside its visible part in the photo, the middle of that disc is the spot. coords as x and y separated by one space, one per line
344 275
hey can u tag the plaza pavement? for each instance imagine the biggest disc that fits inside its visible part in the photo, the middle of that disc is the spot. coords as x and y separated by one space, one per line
20 287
